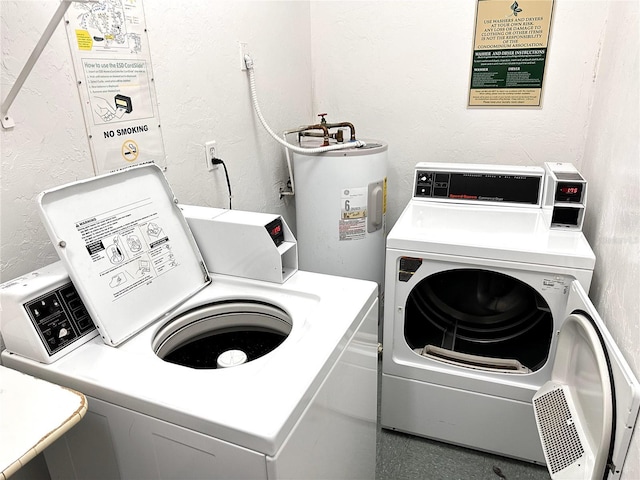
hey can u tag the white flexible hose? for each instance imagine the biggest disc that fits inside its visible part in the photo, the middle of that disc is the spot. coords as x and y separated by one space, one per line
288 155
295 148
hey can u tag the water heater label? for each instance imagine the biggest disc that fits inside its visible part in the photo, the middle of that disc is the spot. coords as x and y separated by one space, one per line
353 213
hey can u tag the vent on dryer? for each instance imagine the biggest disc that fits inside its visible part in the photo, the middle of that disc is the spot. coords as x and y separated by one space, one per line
476 313
560 438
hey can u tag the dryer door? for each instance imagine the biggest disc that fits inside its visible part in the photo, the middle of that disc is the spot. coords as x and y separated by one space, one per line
586 413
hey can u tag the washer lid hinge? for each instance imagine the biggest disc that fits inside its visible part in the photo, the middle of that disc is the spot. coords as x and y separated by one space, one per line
205 271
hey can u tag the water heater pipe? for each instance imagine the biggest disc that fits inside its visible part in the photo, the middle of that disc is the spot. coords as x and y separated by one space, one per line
254 98
292 190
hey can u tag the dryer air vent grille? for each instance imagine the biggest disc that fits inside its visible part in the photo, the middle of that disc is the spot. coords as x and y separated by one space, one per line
560 437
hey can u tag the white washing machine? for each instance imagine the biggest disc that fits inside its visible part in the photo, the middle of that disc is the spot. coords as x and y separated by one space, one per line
480 283
190 374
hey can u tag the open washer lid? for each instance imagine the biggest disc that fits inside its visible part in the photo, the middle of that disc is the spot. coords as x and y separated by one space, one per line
126 246
587 412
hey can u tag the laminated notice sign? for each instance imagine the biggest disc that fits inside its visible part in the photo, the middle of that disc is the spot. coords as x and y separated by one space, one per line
510 52
112 61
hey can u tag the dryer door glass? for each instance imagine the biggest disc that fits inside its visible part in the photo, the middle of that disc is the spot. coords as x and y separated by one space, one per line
481 319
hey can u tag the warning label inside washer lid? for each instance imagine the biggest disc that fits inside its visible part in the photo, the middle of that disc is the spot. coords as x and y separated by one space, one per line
121 233
353 214
128 246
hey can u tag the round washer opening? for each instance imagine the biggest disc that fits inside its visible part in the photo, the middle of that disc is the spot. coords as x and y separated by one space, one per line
479 313
208 337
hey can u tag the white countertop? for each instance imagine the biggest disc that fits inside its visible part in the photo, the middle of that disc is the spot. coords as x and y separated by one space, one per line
33 414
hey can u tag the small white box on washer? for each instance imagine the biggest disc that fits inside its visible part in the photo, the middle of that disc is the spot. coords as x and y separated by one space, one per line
252 245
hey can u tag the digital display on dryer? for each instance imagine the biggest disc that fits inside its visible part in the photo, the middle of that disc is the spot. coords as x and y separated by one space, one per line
569 192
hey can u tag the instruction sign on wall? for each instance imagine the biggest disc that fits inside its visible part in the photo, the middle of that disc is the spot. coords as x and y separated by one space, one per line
111 57
510 52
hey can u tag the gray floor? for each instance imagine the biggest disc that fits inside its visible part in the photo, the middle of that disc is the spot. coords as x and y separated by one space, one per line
407 457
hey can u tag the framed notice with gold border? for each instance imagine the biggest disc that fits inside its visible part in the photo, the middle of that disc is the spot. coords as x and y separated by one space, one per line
510 52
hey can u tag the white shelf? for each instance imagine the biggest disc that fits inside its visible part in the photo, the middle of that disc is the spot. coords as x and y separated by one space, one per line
34 414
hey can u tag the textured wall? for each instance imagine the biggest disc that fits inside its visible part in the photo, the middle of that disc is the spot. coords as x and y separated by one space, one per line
612 168
202 95
400 71
48 146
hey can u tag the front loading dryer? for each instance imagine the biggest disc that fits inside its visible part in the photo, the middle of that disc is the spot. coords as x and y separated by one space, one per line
478 289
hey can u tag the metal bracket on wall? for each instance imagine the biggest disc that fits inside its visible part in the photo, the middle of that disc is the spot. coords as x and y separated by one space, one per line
7 121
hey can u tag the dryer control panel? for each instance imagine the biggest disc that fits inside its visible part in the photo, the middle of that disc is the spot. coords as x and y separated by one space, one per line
465 183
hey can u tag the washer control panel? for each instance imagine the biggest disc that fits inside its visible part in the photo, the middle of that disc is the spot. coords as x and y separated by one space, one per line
59 317
43 317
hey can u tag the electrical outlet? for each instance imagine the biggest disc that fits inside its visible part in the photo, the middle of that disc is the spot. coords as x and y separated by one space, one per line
244 49
210 153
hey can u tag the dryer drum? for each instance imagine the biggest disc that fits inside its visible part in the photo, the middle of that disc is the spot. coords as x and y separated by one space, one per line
197 338
481 313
